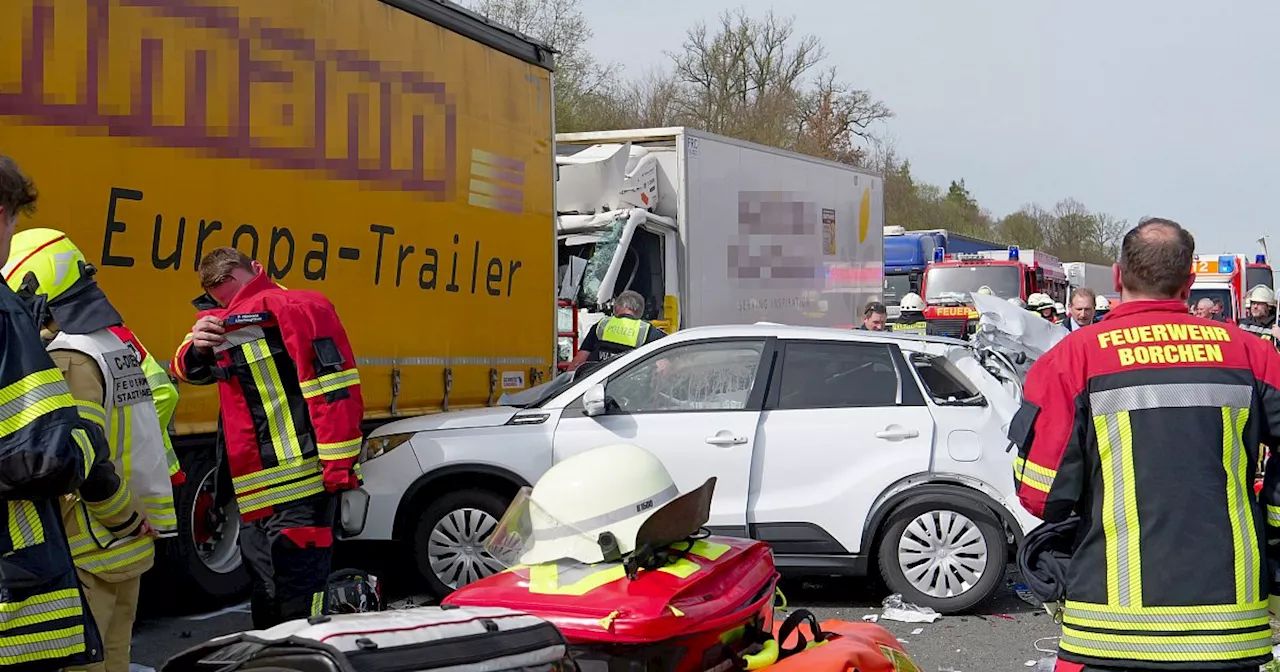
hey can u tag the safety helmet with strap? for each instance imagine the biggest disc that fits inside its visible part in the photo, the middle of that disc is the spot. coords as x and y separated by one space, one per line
1101 303
911 302
1059 308
1039 301
55 263
985 290
1262 294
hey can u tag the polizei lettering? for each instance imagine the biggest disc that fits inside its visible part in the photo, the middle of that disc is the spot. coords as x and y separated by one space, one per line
452 265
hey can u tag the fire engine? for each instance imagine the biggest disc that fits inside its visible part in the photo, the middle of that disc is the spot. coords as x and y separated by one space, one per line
1226 279
1014 273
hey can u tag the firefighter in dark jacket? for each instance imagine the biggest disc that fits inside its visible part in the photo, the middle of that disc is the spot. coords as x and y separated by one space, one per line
619 333
291 412
910 315
1261 321
47 452
1148 425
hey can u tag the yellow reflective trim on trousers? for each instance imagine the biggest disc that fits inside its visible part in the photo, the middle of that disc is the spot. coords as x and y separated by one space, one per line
1032 474
1273 515
317 604
92 412
38 646
281 494
25 529
82 440
91 558
1235 460
331 382
1120 524
1166 619
38 394
1167 648
274 403
339 451
273 475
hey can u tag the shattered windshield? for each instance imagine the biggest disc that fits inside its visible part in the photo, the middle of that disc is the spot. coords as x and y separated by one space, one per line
954 283
598 256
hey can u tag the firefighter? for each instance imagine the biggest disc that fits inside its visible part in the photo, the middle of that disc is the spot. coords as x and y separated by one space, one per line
47 452
1101 306
291 408
910 315
1261 320
1042 305
102 363
1163 576
618 334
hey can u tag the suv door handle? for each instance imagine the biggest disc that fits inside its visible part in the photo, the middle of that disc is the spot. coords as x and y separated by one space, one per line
726 440
895 433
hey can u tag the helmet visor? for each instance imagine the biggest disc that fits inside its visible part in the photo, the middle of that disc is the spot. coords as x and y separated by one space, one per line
528 534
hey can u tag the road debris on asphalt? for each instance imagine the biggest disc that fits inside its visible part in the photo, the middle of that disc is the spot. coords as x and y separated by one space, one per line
897 610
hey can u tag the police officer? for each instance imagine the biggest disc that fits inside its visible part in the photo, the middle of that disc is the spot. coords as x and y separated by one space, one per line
46 451
1147 427
910 315
102 363
623 332
291 408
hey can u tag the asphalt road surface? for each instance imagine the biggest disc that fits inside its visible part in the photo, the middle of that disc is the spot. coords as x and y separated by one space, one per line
1000 635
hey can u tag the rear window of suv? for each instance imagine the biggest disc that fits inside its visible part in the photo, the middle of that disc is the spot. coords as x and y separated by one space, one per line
837 374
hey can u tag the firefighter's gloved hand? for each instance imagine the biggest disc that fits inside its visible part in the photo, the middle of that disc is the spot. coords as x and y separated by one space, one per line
338 478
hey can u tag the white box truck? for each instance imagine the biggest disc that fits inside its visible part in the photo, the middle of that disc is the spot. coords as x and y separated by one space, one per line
712 230
1094 276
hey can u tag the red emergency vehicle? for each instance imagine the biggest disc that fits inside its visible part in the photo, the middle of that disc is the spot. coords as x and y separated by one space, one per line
1014 273
1226 279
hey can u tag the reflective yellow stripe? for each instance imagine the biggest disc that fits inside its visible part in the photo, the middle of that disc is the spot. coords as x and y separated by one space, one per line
317 604
114 506
92 412
25 529
81 438
331 382
38 646
624 331
1166 619
339 451
42 608
1031 474
1167 648
288 492
38 394
1235 460
274 403
709 549
273 475
157 379
1119 509
89 556
161 513
578 579
1273 515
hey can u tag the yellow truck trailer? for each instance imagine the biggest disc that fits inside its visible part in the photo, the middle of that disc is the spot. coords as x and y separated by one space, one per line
396 155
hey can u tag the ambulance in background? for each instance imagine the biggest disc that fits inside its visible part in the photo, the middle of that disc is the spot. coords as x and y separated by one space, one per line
1226 280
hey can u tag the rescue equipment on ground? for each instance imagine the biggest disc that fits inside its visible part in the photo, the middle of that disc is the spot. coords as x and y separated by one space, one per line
353 591
479 639
838 646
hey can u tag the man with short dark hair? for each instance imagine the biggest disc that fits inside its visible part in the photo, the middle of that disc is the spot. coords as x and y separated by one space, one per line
1083 304
618 334
1147 426
291 410
874 317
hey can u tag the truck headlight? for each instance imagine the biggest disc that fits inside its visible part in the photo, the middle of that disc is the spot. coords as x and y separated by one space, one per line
381 445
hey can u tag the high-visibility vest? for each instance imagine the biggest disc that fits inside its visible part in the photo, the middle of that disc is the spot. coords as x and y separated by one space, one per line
618 335
131 423
910 328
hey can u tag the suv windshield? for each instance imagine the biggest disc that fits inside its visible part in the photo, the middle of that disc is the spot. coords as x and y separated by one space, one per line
955 283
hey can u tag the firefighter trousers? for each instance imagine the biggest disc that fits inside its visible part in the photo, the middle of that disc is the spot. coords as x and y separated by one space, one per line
114 606
288 555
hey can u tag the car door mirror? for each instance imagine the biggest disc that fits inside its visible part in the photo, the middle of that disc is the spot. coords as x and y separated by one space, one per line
593 400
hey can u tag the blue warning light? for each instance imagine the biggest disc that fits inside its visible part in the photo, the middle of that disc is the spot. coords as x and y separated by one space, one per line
1226 264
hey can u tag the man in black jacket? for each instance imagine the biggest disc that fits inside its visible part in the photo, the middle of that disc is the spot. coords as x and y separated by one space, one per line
46 451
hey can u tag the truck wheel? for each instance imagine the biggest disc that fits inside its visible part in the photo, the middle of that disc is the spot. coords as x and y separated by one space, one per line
945 555
448 541
204 559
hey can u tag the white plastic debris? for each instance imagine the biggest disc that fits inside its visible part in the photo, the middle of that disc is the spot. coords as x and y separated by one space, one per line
917 631
871 618
897 610
1030 663
242 608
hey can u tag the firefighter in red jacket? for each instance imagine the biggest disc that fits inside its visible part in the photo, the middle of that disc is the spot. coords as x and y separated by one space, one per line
1147 426
291 412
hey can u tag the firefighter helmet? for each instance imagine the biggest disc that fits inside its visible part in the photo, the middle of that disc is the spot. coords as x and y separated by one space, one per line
911 302
985 290
1039 301
1101 303
1018 302
1059 308
48 255
1262 294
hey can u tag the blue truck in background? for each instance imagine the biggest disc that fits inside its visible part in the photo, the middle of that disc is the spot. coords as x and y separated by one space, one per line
907 253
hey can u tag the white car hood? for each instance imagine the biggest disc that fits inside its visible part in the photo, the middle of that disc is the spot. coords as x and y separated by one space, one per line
468 419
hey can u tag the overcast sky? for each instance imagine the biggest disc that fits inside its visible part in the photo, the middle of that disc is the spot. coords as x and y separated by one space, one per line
1134 108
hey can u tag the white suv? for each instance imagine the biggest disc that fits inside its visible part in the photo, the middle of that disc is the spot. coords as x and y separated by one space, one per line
845 450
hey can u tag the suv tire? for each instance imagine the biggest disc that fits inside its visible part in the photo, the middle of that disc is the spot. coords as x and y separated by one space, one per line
945 554
459 522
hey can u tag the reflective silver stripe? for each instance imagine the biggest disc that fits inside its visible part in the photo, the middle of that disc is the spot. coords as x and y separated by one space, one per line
1161 647
239 337
1114 463
331 382
1210 620
441 361
33 396
1242 515
91 411
1034 477
569 529
279 494
1273 515
259 479
1173 395
51 645
22 533
38 609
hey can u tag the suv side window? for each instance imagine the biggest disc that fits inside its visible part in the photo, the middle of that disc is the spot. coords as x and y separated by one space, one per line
944 382
706 376
837 374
